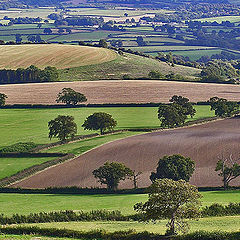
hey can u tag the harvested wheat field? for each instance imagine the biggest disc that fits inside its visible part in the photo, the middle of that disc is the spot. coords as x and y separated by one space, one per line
119 91
55 55
203 143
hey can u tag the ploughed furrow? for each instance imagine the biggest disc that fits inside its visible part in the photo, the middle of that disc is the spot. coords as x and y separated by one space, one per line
203 143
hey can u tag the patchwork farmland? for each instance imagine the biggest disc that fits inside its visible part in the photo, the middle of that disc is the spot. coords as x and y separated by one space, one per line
202 143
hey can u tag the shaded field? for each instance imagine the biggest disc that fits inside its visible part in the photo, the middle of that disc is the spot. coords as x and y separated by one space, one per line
203 143
60 56
122 202
119 91
10 166
31 125
31 237
227 224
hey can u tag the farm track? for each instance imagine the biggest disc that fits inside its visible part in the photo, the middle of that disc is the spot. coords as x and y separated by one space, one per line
203 143
119 91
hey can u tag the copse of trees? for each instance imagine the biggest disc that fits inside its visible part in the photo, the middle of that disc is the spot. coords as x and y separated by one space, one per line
70 97
175 114
31 74
62 127
175 167
112 173
3 98
174 200
99 121
223 107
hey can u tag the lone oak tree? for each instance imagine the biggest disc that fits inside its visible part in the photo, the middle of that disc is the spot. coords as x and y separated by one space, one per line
174 200
99 121
174 167
112 173
228 169
70 97
62 127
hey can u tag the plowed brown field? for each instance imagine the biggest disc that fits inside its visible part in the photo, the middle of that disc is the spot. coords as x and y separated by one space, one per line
203 143
119 91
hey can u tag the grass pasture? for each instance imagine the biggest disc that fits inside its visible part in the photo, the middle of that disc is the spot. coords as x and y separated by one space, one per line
122 202
10 166
60 56
33 124
234 19
227 224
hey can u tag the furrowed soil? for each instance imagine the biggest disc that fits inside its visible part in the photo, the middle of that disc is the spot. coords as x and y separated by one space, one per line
119 91
202 143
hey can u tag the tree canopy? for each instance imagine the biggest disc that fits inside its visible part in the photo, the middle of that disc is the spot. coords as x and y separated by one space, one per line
2 99
174 200
62 127
100 121
112 173
70 97
174 167
223 107
175 114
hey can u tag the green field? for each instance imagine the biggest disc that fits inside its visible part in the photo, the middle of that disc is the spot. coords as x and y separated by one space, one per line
30 125
220 19
30 237
122 202
227 224
10 166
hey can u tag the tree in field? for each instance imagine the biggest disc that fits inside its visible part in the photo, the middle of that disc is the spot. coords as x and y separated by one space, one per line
100 121
62 127
176 113
3 99
155 75
70 97
135 176
103 43
188 108
174 200
223 107
111 174
174 167
228 169
47 30
18 38
171 115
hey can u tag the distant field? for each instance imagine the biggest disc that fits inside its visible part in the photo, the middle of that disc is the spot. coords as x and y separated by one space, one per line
227 224
220 19
109 91
122 202
33 122
169 48
60 56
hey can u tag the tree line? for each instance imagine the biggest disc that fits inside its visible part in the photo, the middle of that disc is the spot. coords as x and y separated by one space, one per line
31 74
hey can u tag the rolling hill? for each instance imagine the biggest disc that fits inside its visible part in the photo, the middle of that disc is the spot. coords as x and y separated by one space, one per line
203 143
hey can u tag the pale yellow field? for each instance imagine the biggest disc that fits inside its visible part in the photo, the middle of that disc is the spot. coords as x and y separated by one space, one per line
60 56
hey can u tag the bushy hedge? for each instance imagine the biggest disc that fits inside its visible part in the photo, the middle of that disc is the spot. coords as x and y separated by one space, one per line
64 216
219 210
19 147
119 235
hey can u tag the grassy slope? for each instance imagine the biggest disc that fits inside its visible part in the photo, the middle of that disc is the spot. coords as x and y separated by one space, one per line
134 66
207 224
30 237
123 202
31 124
